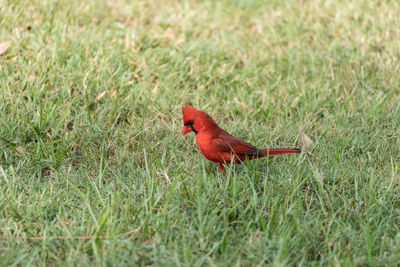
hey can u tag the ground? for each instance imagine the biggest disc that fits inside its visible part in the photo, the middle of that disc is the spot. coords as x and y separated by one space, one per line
91 145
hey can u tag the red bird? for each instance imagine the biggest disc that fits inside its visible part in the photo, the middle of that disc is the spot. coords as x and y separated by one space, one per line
218 145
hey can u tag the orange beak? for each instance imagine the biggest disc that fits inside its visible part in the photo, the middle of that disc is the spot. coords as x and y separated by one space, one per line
186 129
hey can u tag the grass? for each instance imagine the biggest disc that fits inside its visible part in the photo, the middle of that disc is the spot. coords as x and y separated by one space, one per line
90 141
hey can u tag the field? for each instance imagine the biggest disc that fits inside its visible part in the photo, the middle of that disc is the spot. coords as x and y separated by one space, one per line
94 169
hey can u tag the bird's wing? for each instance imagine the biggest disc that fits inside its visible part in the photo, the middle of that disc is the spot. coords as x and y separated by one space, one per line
228 143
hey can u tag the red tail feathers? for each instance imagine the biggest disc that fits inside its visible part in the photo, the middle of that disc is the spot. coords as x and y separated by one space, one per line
274 151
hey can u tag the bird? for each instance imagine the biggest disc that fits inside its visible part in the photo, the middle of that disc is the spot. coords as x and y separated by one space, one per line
218 145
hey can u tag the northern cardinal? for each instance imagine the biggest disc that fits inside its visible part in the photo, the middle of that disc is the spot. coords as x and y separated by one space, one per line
218 145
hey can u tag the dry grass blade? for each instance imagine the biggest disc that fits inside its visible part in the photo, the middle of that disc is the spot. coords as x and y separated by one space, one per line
20 149
4 46
101 95
305 140
155 89
114 94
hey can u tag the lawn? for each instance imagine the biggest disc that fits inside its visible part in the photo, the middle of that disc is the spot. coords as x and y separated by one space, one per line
94 169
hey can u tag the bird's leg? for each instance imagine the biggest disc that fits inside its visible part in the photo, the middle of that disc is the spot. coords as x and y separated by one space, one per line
221 166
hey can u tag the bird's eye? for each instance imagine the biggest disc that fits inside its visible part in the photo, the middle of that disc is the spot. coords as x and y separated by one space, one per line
189 123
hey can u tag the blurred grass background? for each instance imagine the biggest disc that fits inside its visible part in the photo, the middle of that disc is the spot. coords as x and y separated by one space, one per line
90 122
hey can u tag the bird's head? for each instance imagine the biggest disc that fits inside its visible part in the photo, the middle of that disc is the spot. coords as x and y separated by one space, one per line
190 118
195 120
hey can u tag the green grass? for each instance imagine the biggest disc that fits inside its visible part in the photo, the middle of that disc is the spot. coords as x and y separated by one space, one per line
71 165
